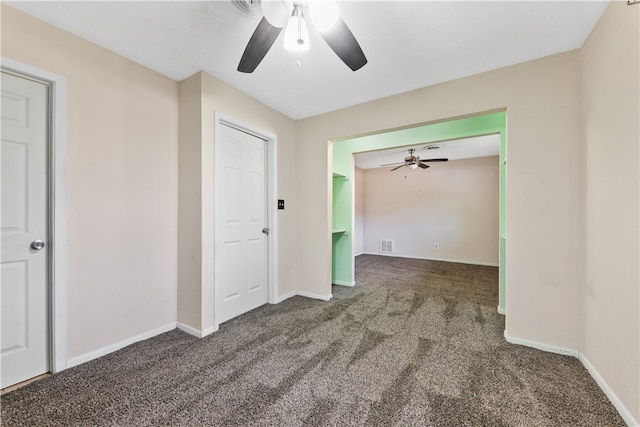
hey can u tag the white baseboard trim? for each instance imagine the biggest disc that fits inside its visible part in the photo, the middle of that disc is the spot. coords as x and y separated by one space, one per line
502 311
303 294
196 332
358 254
342 283
285 297
459 261
540 346
315 296
617 403
117 346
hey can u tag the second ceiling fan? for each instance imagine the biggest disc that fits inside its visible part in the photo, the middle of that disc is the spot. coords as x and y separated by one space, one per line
413 162
325 17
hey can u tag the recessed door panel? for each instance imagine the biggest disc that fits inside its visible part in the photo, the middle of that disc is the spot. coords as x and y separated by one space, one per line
232 270
256 280
14 186
232 198
15 315
256 202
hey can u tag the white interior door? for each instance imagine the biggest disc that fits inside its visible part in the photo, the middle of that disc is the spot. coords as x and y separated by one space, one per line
241 246
24 228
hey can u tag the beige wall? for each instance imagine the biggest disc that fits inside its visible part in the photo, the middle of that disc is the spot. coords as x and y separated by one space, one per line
122 131
611 97
544 184
205 96
454 204
190 204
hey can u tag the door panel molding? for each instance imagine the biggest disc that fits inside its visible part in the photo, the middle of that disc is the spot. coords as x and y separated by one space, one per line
220 120
57 205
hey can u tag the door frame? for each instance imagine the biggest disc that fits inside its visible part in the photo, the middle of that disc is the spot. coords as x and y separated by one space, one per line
57 206
271 142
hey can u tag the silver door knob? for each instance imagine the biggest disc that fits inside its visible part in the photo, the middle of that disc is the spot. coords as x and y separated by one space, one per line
37 244
266 230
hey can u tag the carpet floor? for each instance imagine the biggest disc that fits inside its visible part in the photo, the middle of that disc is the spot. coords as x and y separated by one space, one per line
415 343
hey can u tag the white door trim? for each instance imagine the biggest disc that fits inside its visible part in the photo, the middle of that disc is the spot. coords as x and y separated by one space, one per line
57 146
272 202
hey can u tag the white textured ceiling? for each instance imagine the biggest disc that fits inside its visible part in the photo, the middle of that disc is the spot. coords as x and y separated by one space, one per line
458 149
408 44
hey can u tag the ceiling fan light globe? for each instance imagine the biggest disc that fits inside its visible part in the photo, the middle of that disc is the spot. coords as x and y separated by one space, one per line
277 12
413 166
296 35
324 14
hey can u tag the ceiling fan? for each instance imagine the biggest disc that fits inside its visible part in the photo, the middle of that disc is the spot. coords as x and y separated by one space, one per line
279 14
413 162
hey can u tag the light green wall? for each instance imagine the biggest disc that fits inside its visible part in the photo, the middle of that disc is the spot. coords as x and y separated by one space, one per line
485 124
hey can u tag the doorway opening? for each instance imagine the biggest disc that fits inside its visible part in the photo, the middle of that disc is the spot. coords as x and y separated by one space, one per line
343 169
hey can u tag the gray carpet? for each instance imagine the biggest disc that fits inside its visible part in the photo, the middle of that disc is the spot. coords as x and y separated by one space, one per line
415 343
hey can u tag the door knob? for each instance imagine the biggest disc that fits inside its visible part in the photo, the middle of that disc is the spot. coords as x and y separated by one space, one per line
266 230
37 244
